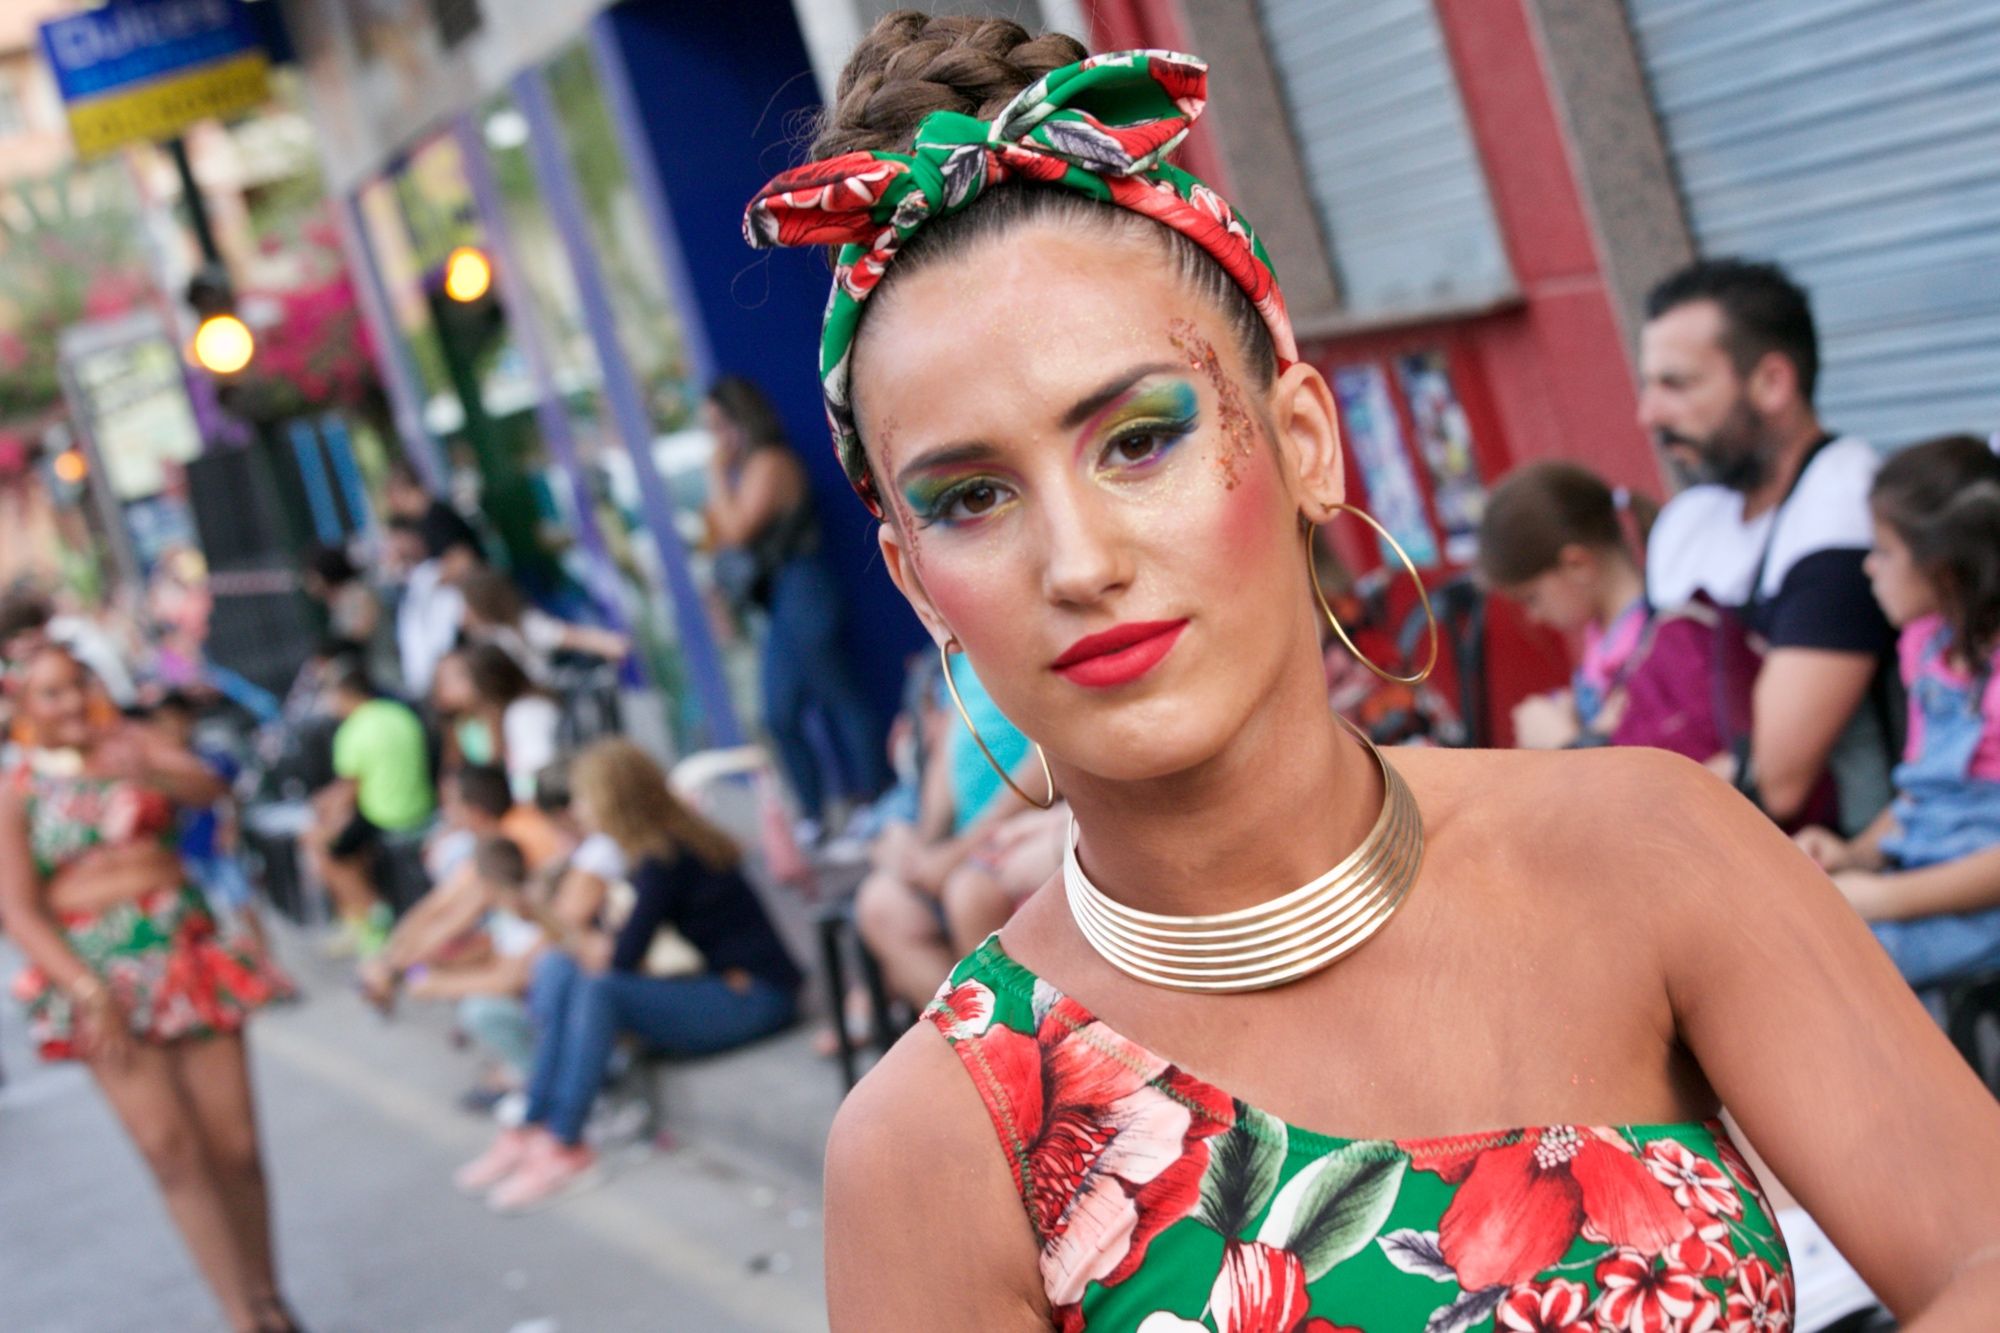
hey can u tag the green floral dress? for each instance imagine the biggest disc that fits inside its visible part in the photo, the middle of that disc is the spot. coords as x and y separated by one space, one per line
1163 1205
172 972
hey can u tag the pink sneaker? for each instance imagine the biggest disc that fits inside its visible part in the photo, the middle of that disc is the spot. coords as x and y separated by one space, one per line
552 1169
505 1157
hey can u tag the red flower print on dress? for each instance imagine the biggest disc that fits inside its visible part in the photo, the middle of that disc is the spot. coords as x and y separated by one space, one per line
1706 1252
1109 1142
124 807
1521 1205
1695 1181
1261 1289
1561 1306
962 1011
1761 1299
1640 1296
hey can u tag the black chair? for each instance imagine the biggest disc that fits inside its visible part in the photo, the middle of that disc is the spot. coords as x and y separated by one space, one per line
837 938
1460 608
587 694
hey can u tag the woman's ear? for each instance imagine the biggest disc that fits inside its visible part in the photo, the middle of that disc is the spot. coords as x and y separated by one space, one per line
1307 430
897 558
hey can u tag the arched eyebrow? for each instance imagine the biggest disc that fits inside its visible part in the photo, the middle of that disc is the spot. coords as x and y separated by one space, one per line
1088 406
1082 410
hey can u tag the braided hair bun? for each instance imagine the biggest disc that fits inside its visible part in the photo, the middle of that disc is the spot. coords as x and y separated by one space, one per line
911 64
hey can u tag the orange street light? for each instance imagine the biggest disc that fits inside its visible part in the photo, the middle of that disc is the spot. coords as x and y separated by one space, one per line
468 273
223 345
71 467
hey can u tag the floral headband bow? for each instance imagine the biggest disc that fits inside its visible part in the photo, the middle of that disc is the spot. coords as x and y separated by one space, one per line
1102 127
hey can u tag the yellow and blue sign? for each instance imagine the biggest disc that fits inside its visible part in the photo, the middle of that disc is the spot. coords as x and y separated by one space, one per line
138 70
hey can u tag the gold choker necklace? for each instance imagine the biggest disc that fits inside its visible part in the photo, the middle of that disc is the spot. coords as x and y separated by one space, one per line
1255 948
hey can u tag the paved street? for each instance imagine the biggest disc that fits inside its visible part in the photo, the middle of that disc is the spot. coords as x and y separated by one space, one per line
721 1233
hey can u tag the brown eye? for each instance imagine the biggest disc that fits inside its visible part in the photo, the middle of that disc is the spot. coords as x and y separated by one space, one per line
978 499
1136 448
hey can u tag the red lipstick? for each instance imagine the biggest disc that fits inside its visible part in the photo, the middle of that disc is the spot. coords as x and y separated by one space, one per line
1119 655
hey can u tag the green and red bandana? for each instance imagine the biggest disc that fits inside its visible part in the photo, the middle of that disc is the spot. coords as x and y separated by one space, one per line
1102 127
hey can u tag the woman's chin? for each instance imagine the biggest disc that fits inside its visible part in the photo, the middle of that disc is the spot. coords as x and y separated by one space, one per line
1142 751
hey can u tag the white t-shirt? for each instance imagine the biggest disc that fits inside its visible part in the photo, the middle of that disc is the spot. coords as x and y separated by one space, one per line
1702 543
512 936
598 855
529 729
427 625
1813 592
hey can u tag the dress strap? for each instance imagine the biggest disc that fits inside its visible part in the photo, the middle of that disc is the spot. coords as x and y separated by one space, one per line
985 992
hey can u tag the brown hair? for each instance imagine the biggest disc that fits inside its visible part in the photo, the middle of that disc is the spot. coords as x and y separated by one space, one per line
496 677
1539 509
1942 497
748 408
911 64
499 861
627 797
491 596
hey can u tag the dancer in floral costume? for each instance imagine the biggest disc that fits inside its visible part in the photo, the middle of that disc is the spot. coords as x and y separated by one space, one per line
1176 1092
128 972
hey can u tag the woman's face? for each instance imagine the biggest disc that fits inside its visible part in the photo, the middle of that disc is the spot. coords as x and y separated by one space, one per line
1070 446
451 687
1895 579
1564 597
55 700
717 423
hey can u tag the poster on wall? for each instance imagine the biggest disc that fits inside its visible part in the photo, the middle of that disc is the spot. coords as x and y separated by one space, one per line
1444 440
1376 436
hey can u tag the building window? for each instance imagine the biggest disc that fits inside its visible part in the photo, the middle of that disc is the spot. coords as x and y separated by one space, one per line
1388 154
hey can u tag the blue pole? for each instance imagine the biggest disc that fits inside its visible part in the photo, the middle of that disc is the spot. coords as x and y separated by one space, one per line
399 370
522 321
547 156
305 448
346 472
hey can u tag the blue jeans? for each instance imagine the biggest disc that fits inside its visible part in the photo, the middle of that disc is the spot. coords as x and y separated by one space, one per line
1934 950
579 1015
804 667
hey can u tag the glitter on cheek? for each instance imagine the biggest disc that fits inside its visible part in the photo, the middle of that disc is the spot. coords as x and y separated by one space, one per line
1238 434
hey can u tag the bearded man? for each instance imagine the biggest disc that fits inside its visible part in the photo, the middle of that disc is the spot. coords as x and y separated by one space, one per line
1774 527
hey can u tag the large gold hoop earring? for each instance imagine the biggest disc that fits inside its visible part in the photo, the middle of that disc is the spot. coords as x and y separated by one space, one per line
944 659
1430 617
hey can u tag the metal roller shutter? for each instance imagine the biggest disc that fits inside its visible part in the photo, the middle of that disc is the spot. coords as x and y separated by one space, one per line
1857 142
1388 153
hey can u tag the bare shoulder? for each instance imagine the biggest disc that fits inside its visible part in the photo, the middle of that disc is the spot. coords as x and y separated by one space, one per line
1640 824
916 1098
913 1156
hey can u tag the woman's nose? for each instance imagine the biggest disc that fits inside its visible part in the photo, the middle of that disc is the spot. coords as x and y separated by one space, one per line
1086 557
